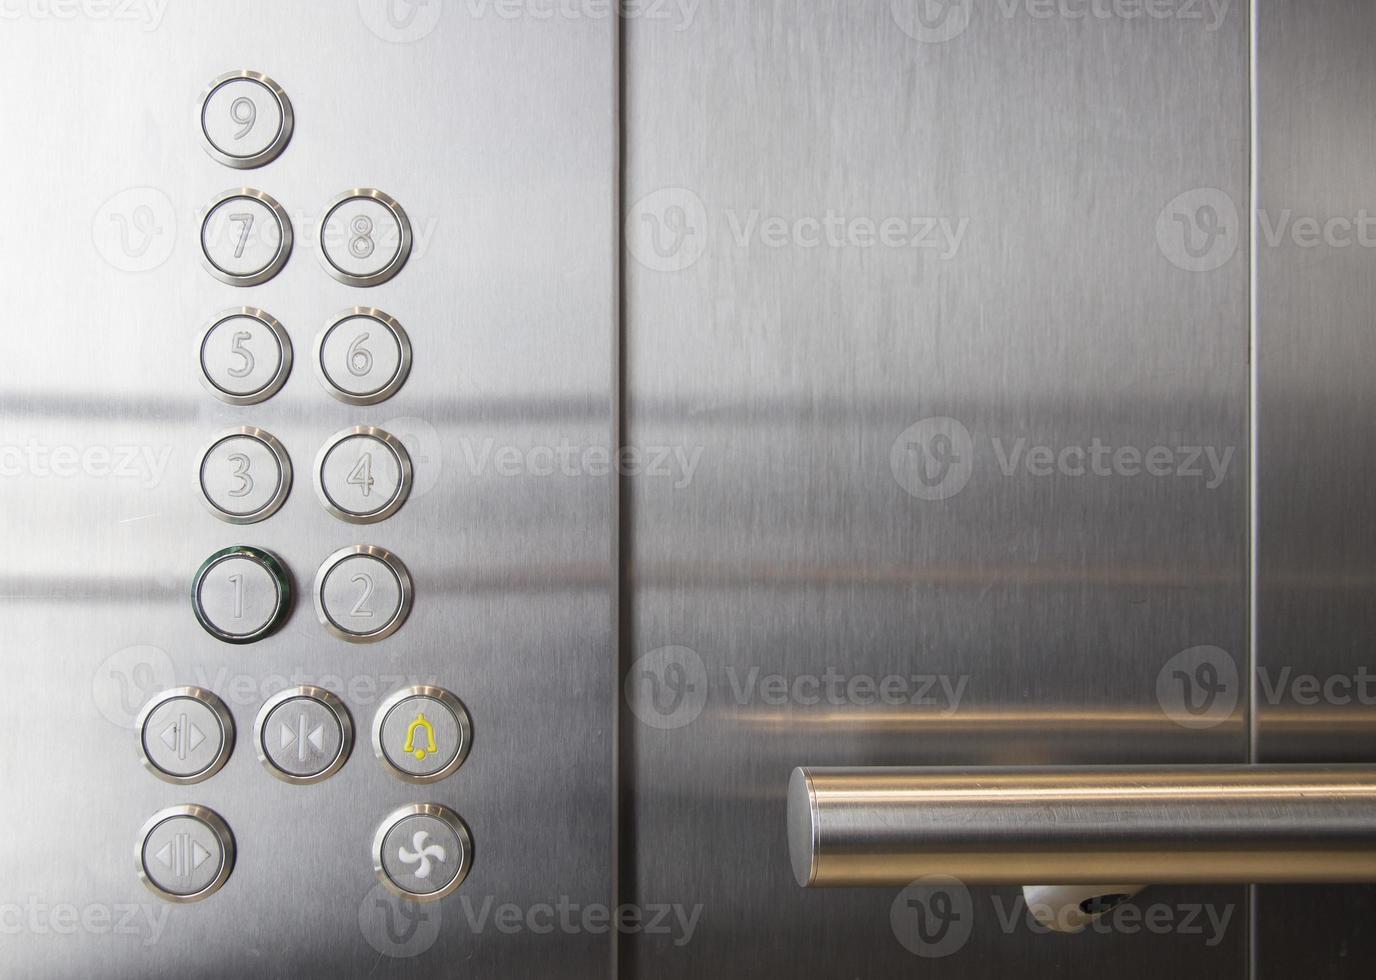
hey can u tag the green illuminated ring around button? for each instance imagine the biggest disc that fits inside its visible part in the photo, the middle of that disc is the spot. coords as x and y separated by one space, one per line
269 563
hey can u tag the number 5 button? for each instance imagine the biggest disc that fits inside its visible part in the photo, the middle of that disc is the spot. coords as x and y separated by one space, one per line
362 356
362 593
363 475
245 237
245 356
364 237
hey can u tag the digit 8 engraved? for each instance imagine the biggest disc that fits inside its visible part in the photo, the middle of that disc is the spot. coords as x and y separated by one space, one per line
361 241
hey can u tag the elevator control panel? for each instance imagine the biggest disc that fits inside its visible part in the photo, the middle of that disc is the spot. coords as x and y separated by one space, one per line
243 592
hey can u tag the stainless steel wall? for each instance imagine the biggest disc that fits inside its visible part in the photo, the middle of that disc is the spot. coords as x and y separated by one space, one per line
875 259
1316 352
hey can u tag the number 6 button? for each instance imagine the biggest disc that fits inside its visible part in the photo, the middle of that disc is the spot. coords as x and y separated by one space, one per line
245 237
363 475
362 356
364 237
362 593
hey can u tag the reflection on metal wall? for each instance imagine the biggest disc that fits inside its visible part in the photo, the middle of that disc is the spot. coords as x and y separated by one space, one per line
954 315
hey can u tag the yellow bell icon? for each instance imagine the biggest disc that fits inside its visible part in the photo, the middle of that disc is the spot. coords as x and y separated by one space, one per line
410 746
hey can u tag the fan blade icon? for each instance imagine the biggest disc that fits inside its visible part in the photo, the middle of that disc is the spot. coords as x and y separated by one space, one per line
421 853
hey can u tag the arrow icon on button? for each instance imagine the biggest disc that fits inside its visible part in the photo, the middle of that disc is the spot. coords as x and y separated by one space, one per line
298 735
182 855
182 736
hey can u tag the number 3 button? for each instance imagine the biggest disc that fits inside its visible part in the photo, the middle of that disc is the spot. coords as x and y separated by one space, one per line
362 593
245 476
362 356
364 237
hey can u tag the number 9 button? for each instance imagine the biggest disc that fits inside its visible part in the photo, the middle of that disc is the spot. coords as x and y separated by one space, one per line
363 475
246 119
363 356
245 356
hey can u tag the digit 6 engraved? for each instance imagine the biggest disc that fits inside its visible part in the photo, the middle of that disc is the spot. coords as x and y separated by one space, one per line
361 241
241 464
243 111
360 357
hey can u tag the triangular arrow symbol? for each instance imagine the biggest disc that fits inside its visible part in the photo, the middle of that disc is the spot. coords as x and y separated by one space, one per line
165 854
288 736
317 738
194 737
169 737
199 855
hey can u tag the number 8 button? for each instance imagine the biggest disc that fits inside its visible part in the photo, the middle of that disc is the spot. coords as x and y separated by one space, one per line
364 237
363 356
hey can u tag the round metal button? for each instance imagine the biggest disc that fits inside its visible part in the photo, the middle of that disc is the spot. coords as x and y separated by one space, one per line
241 594
245 475
185 853
245 356
364 237
185 735
363 356
246 119
362 475
245 237
422 733
422 852
363 593
304 734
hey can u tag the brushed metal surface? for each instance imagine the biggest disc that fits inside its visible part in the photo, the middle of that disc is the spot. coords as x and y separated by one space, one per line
806 370
497 134
1316 542
876 826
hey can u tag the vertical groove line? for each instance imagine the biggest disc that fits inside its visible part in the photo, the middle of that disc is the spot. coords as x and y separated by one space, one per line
620 606
1254 419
